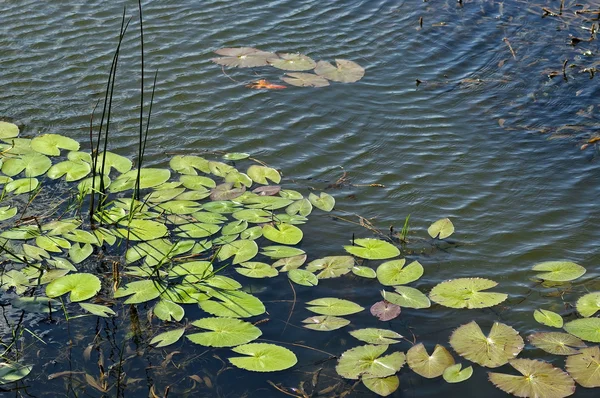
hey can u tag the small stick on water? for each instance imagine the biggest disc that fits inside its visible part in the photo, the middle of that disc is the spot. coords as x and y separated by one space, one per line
564 69
420 22
562 4
225 73
510 48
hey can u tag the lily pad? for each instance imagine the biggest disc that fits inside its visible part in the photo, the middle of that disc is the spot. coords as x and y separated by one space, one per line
333 306
7 212
345 71
300 79
167 338
240 250
140 291
364 272
260 174
8 130
385 311
377 336
243 57
302 207
394 272
382 386
548 318
587 329
142 230
253 215
263 357
236 156
22 185
233 304
331 267
441 229
407 297
50 144
290 263
325 323
168 311
501 345
82 286
149 177
303 277
189 165
34 164
323 202
252 233
257 270
367 361
588 304
281 251
284 234
454 374
196 230
293 61
98 310
10 373
584 367
557 343
224 332
466 293
372 249
559 271
539 379
112 161
429 366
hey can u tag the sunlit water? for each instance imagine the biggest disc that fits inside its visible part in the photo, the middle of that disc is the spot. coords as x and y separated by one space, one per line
486 139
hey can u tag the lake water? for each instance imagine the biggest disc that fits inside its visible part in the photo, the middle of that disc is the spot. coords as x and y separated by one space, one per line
487 139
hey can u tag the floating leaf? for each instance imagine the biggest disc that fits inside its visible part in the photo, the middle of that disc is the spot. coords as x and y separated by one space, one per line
252 233
376 336
268 203
501 345
453 374
167 338
98 310
168 311
257 270
372 249
584 367
10 373
253 215
243 57
34 164
189 165
367 361
331 267
260 174
385 311
588 304
559 271
441 229
285 234
226 191
557 343
40 305
85 186
323 202
149 178
290 194
236 156
587 329
196 230
49 144
345 71
224 332
8 130
290 263
221 207
140 291
325 323
333 306
7 212
22 233
163 195
264 84
142 230
466 293
262 357
72 170
364 272
281 251
240 250
302 207
291 61
429 366
407 297
112 161
382 386
22 185
269 190
394 272
300 79
548 318
209 217
16 279
539 379
234 304
303 277
82 286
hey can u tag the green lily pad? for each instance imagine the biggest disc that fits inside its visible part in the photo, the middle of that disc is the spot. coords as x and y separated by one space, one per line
85 186
189 164
233 304
345 71
325 323
429 366
10 373
34 164
112 161
220 169
142 230
407 297
394 272
7 212
260 174
209 217
163 195
167 338
98 310
331 267
168 311
557 343
257 270
558 271
303 277
149 177
466 293
454 374
294 220
140 291
291 61
226 191
253 215
372 249
14 279
300 79
290 263
195 182
50 144
243 57
587 329
82 286
8 130
240 250
17 146
36 304
224 332
501 345
268 203
588 304
179 207
234 227
290 194
548 318
196 230
364 272
281 251
584 367
72 170
382 386
323 202
252 233
376 336
22 185
285 234
441 229
263 357
221 207
302 207
236 156
367 361
539 379
333 306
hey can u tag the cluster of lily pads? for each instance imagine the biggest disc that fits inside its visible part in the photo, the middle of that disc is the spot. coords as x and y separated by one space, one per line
345 71
203 217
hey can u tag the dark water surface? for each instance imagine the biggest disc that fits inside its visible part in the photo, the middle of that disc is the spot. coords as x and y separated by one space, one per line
488 140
